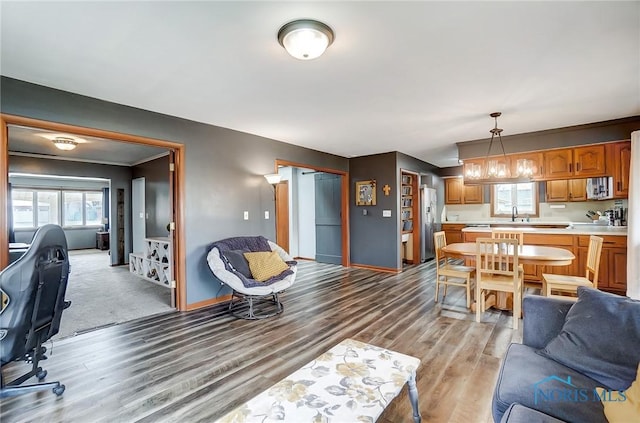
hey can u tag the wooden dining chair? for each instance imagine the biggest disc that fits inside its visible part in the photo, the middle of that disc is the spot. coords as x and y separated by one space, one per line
512 234
566 286
463 275
497 270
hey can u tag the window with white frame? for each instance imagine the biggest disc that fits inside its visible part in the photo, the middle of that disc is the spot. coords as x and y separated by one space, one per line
33 208
523 196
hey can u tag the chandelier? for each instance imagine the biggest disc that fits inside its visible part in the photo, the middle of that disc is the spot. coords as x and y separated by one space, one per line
494 170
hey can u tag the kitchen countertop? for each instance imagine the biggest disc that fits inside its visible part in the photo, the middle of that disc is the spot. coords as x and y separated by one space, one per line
518 222
574 229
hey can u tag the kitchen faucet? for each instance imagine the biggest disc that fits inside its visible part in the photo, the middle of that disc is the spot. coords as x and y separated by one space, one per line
514 213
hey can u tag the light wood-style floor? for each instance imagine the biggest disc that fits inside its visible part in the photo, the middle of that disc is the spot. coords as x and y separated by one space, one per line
197 366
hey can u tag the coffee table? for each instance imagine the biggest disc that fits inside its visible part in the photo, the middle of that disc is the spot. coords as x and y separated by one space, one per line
352 382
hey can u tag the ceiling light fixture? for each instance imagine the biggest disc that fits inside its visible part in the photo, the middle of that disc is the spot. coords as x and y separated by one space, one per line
64 143
305 39
494 170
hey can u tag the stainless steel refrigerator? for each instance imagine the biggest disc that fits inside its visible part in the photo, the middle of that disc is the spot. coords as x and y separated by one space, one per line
428 208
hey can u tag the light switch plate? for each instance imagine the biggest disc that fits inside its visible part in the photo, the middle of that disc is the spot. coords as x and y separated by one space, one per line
386 213
266 214
246 215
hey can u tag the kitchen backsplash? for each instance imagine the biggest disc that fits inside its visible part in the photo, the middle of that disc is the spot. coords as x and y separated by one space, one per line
572 212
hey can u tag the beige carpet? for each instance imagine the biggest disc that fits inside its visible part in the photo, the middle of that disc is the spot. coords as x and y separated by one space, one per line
103 295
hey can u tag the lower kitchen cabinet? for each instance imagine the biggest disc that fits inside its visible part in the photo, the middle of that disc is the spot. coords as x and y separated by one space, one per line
453 232
612 275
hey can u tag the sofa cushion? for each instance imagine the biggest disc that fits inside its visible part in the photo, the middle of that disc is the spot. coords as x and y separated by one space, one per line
622 407
600 338
265 265
545 385
517 413
238 261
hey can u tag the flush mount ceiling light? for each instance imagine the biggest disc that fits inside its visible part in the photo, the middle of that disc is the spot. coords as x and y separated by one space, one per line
496 171
305 39
64 143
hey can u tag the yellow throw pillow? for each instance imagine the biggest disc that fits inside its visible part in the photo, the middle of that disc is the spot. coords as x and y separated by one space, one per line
623 408
265 264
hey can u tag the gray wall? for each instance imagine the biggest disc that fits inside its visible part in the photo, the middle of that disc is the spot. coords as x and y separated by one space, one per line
375 240
223 168
120 177
156 194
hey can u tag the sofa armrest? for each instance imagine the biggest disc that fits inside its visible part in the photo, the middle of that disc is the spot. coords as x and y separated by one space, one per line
543 319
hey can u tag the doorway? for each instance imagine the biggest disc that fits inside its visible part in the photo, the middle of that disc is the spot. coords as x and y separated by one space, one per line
176 176
334 225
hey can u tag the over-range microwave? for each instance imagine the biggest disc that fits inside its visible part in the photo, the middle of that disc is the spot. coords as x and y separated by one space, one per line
600 188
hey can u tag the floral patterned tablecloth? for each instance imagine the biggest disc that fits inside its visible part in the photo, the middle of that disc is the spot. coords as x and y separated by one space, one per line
352 382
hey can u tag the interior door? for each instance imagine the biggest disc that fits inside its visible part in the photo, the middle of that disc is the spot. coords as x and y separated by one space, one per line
328 218
138 226
282 215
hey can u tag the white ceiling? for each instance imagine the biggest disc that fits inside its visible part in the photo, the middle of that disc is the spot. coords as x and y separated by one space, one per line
37 142
415 77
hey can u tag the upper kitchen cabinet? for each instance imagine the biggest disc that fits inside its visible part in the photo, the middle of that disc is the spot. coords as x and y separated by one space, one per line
589 161
618 164
455 192
472 194
568 163
558 163
536 160
566 190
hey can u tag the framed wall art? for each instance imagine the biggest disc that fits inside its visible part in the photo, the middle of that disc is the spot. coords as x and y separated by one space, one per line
366 193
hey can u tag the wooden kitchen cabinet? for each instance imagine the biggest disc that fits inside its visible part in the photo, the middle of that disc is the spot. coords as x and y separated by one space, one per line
618 165
472 194
455 192
566 190
453 232
566 163
617 260
558 163
589 161
612 274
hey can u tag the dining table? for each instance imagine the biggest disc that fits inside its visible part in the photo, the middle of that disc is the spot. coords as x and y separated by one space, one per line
527 254
540 255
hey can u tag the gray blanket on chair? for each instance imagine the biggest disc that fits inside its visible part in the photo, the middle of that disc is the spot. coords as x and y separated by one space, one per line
251 243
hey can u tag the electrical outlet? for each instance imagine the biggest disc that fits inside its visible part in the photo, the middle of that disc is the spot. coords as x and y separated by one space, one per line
266 214
246 215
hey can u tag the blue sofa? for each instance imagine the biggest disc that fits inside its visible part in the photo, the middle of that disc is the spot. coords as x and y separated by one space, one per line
569 349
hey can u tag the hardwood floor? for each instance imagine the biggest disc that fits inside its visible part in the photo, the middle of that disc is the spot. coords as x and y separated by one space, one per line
197 366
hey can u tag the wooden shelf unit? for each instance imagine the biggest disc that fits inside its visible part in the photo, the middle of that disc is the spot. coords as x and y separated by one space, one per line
409 218
155 264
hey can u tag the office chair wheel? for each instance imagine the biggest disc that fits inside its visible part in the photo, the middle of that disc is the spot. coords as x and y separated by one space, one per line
58 390
41 374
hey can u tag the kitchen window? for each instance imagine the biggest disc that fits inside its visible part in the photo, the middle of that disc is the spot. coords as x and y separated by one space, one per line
524 196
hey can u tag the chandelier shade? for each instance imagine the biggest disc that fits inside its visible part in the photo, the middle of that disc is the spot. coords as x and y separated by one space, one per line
497 169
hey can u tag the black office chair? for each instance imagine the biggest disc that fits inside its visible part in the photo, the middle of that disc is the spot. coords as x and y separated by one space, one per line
32 291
